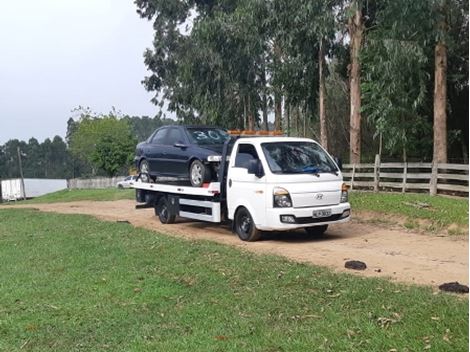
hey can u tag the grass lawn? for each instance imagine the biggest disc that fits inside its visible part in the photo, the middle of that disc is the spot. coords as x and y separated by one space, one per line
74 195
438 210
73 283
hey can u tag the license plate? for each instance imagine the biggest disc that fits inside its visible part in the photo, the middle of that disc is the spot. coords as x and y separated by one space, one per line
321 213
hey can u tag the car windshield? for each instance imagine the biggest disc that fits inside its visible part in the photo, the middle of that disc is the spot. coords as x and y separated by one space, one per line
207 136
297 157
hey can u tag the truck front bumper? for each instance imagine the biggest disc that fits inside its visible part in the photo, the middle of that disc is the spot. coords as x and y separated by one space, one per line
283 219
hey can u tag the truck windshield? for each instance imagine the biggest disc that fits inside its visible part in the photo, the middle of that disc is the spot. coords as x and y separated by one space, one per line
297 157
207 136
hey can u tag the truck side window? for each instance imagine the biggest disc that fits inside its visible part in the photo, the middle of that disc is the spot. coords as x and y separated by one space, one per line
246 153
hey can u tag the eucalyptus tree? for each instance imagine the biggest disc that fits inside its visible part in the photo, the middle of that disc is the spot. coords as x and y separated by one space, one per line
407 47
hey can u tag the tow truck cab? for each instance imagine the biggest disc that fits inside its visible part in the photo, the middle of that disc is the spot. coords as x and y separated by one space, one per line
283 183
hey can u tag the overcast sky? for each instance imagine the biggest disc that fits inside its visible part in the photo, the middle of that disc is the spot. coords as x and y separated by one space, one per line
58 54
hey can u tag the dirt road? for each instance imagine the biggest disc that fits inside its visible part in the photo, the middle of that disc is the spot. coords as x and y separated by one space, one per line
402 256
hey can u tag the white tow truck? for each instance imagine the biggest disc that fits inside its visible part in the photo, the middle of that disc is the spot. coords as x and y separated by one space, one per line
265 183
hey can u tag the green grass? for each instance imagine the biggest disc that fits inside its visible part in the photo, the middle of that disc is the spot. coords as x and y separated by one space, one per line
73 283
441 211
74 195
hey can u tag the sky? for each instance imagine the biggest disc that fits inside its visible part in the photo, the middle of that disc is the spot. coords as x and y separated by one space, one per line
56 55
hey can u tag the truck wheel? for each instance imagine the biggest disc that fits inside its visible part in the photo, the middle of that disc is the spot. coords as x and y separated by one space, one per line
245 226
144 171
162 210
198 173
316 231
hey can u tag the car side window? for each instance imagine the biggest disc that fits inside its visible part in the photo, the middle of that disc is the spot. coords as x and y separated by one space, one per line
159 136
246 154
173 136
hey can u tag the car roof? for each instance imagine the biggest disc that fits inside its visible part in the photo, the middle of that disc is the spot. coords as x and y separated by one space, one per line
193 126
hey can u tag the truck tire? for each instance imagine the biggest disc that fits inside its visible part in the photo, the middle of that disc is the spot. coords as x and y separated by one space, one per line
198 173
245 226
316 231
163 212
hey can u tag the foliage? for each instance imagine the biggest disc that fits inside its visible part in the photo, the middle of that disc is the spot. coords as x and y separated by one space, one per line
105 286
106 142
231 62
49 159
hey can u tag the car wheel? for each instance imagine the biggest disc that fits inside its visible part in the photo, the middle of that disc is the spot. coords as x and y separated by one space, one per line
245 226
144 170
120 186
198 173
316 231
162 210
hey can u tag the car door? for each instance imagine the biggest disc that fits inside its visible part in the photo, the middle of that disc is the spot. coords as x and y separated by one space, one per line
176 157
244 188
156 150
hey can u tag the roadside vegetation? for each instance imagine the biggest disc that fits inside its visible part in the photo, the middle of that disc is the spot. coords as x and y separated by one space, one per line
71 282
438 213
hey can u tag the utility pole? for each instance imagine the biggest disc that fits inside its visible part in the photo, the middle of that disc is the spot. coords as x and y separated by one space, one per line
21 173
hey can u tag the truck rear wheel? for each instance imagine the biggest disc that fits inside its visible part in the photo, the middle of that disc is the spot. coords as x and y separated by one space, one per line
316 231
245 226
162 210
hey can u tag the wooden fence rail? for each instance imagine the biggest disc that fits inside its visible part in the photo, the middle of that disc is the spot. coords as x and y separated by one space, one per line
432 177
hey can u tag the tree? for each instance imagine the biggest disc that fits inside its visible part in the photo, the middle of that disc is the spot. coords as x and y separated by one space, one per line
105 141
356 28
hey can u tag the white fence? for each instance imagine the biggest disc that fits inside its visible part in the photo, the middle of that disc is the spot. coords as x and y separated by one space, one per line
432 177
97 182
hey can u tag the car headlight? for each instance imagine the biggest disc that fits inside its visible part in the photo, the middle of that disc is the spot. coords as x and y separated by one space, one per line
281 198
344 193
214 158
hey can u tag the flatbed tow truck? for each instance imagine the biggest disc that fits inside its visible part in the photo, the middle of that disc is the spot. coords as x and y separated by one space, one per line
265 183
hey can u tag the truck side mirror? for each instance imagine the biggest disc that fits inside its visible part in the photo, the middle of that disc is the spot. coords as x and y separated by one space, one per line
338 162
256 168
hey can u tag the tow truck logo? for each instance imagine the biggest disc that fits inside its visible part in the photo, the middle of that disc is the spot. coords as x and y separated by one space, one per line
319 196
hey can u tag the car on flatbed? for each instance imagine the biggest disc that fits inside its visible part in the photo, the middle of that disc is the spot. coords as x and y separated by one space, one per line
182 153
264 184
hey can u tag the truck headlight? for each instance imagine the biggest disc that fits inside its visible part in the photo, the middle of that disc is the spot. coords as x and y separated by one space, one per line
214 158
344 193
281 198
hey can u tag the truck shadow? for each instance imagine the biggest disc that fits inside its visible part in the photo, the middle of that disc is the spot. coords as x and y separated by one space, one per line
299 236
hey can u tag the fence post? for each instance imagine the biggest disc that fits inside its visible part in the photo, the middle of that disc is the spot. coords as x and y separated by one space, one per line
352 176
376 173
433 182
405 172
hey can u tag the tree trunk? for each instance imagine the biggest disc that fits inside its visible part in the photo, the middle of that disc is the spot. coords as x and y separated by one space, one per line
277 111
251 120
356 28
265 98
288 118
323 125
440 99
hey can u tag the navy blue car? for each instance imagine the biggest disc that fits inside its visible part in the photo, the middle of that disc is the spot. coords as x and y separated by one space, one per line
182 152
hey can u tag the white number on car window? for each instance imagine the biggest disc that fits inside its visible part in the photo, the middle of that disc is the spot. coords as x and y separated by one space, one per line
200 135
214 135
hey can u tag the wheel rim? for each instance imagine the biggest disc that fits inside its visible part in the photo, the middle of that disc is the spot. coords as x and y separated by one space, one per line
164 212
196 174
144 167
244 224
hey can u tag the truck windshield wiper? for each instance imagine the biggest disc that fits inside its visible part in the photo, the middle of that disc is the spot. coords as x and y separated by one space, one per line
311 170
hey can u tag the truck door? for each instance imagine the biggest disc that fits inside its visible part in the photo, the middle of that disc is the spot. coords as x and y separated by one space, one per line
244 188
